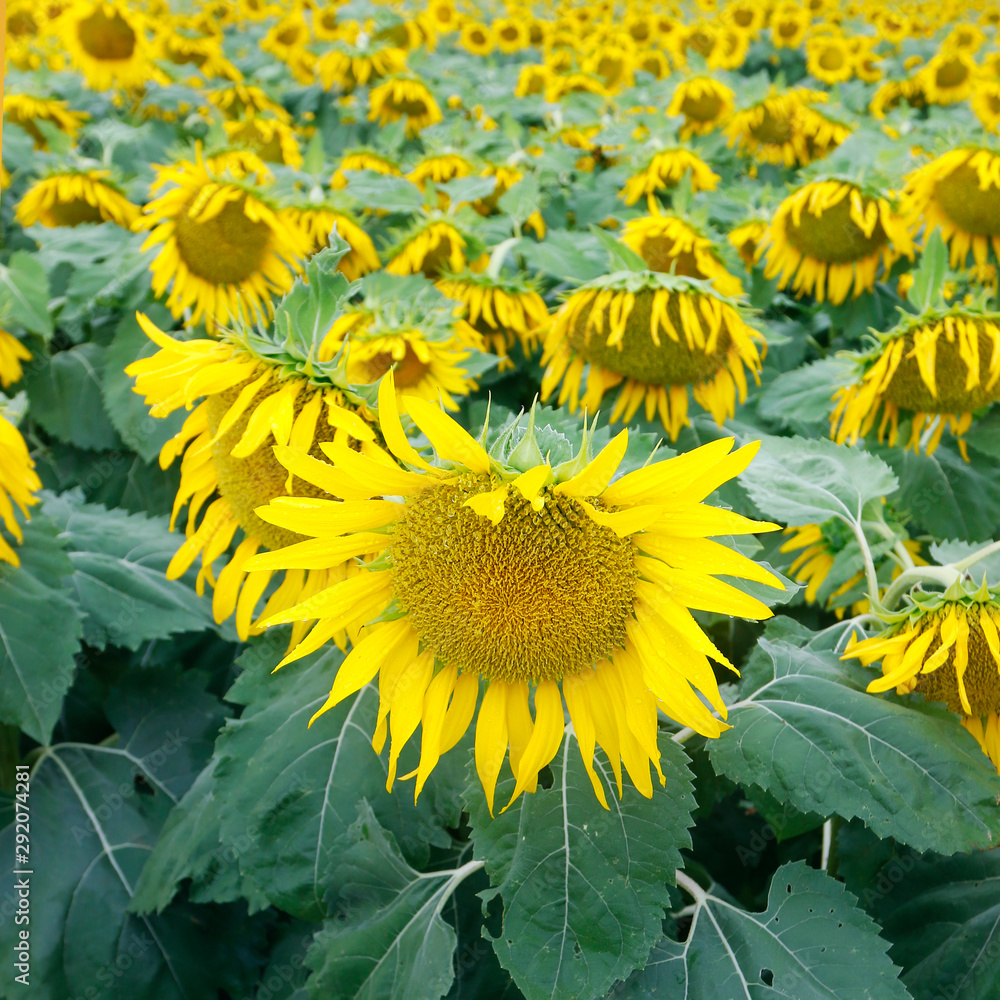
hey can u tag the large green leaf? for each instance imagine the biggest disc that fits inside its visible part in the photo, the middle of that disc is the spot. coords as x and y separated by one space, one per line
943 917
804 396
119 562
126 409
40 631
95 815
386 939
806 731
66 398
24 293
287 792
584 888
813 942
802 481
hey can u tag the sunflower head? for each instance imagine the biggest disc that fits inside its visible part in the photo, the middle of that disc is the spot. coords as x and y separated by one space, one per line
404 97
363 159
948 77
75 197
653 335
19 482
934 369
663 171
829 238
704 102
433 246
470 593
407 323
745 239
318 220
271 139
28 112
944 646
107 41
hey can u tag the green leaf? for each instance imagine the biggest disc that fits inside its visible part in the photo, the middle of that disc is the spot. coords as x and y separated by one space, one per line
623 258
40 633
802 481
521 200
804 396
24 294
813 942
95 814
119 562
806 731
388 193
386 940
66 398
126 410
984 434
943 917
289 791
929 276
463 190
576 257
584 888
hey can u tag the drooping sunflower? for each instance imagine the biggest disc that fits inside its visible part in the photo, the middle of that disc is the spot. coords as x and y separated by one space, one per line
504 310
408 323
664 170
185 42
829 58
784 129
404 97
12 353
958 193
271 139
705 104
893 92
254 390
356 60
534 78
107 41
934 369
317 222
363 159
789 24
829 237
432 247
669 243
286 40
948 77
946 648
985 102
27 111
18 481
468 567
224 251
441 168
653 335
73 197
745 238
243 99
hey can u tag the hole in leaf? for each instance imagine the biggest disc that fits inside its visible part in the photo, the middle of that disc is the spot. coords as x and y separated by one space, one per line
767 977
546 777
142 786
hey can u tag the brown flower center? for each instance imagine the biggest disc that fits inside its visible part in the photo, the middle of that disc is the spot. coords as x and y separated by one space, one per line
106 38
966 204
73 213
226 249
981 678
833 236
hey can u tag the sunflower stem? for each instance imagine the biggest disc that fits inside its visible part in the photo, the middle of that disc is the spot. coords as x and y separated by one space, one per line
943 575
903 554
824 857
870 575
987 550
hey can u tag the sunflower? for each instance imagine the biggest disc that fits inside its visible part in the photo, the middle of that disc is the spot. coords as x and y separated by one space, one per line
27 112
272 140
893 92
223 250
74 197
18 480
107 42
654 62
534 78
784 129
25 25
745 239
947 649
985 103
443 16
830 236
185 44
512 34
892 26
504 311
404 97
433 247
829 59
12 353
705 104
664 170
671 245
441 168
477 593
789 24
936 369
355 63
363 159
865 59
959 193
476 38
317 222
252 393
286 40
408 323
747 16
948 77
506 177
326 24
243 99
657 334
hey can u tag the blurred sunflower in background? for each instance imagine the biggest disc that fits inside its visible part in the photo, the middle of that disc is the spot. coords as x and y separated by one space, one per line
829 237
407 324
108 41
653 335
317 221
27 112
433 247
467 552
404 97
74 197
19 481
271 139
705 104
363 159
934 370
663 171
224 251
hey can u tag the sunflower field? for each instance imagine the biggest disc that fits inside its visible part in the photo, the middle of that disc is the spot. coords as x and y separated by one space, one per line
499 500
